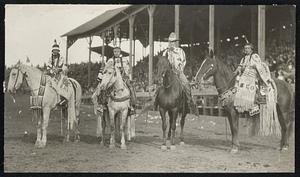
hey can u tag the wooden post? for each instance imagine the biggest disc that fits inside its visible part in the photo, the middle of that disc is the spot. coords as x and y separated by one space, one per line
67 50
89 64
115 28
133 53
131 25
103 47
204 104
177 23
151 10
253 26
261 31
211 27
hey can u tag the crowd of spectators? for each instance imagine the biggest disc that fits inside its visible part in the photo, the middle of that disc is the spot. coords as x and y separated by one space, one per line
280 56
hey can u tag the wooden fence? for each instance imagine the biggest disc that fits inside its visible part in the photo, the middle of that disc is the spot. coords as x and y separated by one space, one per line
207 101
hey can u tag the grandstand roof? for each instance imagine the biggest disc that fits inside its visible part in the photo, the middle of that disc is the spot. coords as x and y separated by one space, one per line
231 20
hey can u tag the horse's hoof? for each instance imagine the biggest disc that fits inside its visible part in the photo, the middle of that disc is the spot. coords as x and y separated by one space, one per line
111 146
168 142
66 141
172 147
181 143
40 145
123 146
37 144
101 144
163 147
284 148
234 150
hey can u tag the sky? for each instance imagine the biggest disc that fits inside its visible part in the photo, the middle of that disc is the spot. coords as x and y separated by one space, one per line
30 31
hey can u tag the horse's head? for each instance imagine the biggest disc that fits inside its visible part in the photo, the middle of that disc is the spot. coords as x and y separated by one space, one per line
163 65
15 78
109 77
207 68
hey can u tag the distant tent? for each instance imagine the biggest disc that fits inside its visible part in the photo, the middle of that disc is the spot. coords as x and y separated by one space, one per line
108 51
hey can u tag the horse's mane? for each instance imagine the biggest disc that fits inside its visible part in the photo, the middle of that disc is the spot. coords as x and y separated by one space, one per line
224 69
34 69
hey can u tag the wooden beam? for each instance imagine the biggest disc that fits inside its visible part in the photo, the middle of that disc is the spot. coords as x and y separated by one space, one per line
211 27
133 53
115 28
122 19
253 38
103 47
261 31
67 51
89 64
131 26
151 9
177 21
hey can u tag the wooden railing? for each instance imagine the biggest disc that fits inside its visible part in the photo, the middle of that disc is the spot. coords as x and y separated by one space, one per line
207 101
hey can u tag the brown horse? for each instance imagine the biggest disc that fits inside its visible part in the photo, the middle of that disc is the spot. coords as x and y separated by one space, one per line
170 98
224 79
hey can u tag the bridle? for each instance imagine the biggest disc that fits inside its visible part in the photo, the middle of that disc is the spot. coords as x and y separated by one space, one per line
205 73
109 81
16 80
24 77
209 69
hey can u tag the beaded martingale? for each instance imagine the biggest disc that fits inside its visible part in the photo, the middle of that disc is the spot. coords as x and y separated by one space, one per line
36 101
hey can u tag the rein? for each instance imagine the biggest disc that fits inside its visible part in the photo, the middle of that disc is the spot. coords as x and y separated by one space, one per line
209 69
17 78
116 90
25 76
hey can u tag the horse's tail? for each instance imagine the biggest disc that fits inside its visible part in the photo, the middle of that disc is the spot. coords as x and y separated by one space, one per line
77 94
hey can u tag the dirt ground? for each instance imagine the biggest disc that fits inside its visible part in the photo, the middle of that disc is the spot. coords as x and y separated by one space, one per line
206 147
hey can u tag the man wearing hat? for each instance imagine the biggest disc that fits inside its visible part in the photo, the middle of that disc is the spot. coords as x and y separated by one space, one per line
124 67
176 57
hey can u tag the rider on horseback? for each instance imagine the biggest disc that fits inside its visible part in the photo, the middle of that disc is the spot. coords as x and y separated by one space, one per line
123 65
250 72
56 67
176 57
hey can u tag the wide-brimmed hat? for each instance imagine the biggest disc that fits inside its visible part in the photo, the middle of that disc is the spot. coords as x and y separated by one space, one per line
172 37
55 46
117 48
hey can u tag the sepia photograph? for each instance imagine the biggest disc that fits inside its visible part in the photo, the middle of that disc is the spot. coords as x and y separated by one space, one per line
149 88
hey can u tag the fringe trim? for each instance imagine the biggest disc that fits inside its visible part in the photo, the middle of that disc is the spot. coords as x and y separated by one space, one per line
269 124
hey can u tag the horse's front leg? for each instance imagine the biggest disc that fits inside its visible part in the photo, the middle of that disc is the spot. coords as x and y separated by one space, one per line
46 114
112 128
233 118
39 118
164 127
122 127
66 125
182 121
173 126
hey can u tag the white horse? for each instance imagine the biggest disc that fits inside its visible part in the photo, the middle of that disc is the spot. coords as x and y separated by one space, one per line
33 77
118 102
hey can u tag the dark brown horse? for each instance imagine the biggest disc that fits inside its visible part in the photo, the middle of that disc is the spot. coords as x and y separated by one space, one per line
223 79
170 98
